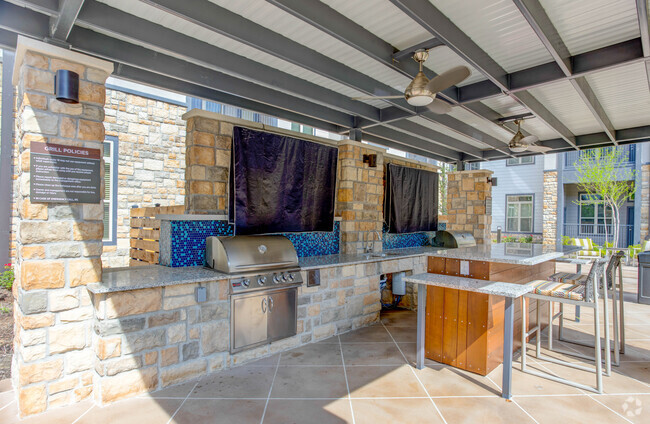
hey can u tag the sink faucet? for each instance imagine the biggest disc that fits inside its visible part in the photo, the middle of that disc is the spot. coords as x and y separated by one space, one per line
369 244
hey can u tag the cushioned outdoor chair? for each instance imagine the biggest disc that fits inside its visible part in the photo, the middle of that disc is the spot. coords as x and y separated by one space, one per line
589 249
585 295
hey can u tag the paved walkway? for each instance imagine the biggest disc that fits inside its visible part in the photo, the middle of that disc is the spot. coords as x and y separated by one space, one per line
365 377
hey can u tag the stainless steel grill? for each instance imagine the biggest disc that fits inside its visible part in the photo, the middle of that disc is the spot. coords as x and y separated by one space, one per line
453 239
263 289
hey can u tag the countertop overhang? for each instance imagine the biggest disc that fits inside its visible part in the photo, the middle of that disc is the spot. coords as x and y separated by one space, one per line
135 278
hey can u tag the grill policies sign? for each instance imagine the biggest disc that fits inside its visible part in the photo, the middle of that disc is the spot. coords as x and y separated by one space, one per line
64 174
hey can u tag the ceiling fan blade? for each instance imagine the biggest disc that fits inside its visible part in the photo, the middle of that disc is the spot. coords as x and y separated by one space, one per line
530 139
447 79
377 97
539 149
438 106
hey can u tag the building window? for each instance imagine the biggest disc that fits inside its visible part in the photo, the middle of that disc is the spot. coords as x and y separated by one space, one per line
520 213
594 215
473 166
110 197
521 160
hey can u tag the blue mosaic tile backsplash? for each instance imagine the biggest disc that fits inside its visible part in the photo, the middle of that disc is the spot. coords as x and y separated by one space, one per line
182 243
316 243
398 241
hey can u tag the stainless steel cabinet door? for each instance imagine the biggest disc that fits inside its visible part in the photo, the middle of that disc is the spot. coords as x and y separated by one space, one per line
250 315
282 314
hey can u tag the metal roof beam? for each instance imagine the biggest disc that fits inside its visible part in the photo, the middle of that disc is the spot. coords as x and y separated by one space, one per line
100 17
403 147
222 21
539 21
61 25
157 80
400 145
416 142
407 53
613 56
644 27
437 138
349 32
425 14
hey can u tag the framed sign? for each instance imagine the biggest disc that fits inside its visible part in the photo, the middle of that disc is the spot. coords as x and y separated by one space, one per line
64 174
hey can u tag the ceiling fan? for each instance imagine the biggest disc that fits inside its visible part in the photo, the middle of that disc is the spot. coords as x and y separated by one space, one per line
520 143
422 91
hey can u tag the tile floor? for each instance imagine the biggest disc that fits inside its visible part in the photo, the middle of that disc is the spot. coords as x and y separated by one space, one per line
365 377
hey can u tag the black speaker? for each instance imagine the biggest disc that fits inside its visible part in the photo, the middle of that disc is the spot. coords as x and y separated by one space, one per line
66 86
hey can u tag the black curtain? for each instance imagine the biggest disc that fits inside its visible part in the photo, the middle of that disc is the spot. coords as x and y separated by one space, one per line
282 184
411 200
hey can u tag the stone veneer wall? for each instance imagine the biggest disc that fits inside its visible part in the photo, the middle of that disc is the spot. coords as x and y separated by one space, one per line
151 160
645 202
153 338
549 231
360 197
468 197
58 245
207 163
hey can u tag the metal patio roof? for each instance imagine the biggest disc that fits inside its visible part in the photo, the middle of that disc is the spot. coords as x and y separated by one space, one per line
579 68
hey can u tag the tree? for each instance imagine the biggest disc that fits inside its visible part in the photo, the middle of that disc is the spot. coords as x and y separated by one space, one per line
445 168
602 174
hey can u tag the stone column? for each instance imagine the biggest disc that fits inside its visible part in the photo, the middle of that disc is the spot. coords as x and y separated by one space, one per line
207 160
360 197
549 230
645 201
58 245
469 204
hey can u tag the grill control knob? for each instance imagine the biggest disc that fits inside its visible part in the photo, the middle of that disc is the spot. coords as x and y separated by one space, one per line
276 278
246 282
261 280
284 277
290 276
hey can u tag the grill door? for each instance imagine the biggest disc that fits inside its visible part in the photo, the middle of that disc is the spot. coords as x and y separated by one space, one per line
249 320
282 314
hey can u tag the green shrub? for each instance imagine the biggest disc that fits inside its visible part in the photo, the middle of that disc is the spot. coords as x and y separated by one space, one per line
7 277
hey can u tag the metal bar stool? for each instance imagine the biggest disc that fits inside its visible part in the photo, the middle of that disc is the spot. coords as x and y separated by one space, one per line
585 295
613 264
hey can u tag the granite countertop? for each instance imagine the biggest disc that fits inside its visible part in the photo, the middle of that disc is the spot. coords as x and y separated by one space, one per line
509 253
134 278
328 261
142 277
471 285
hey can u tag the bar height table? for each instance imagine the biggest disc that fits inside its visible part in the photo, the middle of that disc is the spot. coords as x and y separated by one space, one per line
509 291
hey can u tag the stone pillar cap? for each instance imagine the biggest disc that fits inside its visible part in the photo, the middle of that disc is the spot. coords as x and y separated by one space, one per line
25 44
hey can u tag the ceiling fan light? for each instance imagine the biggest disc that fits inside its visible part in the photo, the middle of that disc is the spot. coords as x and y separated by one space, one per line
419 100
518 149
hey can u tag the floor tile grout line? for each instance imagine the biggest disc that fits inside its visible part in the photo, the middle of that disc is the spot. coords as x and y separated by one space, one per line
85 412
7 404
184 400
347 384
415 375
266 405
597 401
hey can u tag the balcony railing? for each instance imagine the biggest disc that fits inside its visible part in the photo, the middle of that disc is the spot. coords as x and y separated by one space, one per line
596 232
628 152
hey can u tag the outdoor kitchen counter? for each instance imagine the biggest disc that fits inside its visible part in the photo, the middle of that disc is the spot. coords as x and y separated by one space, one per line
134 278
144 277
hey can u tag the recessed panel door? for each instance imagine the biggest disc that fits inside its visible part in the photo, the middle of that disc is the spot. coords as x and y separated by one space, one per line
250 314
282 314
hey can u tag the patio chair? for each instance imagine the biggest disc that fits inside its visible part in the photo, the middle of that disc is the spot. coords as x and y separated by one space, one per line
613 264
589 249
585 295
